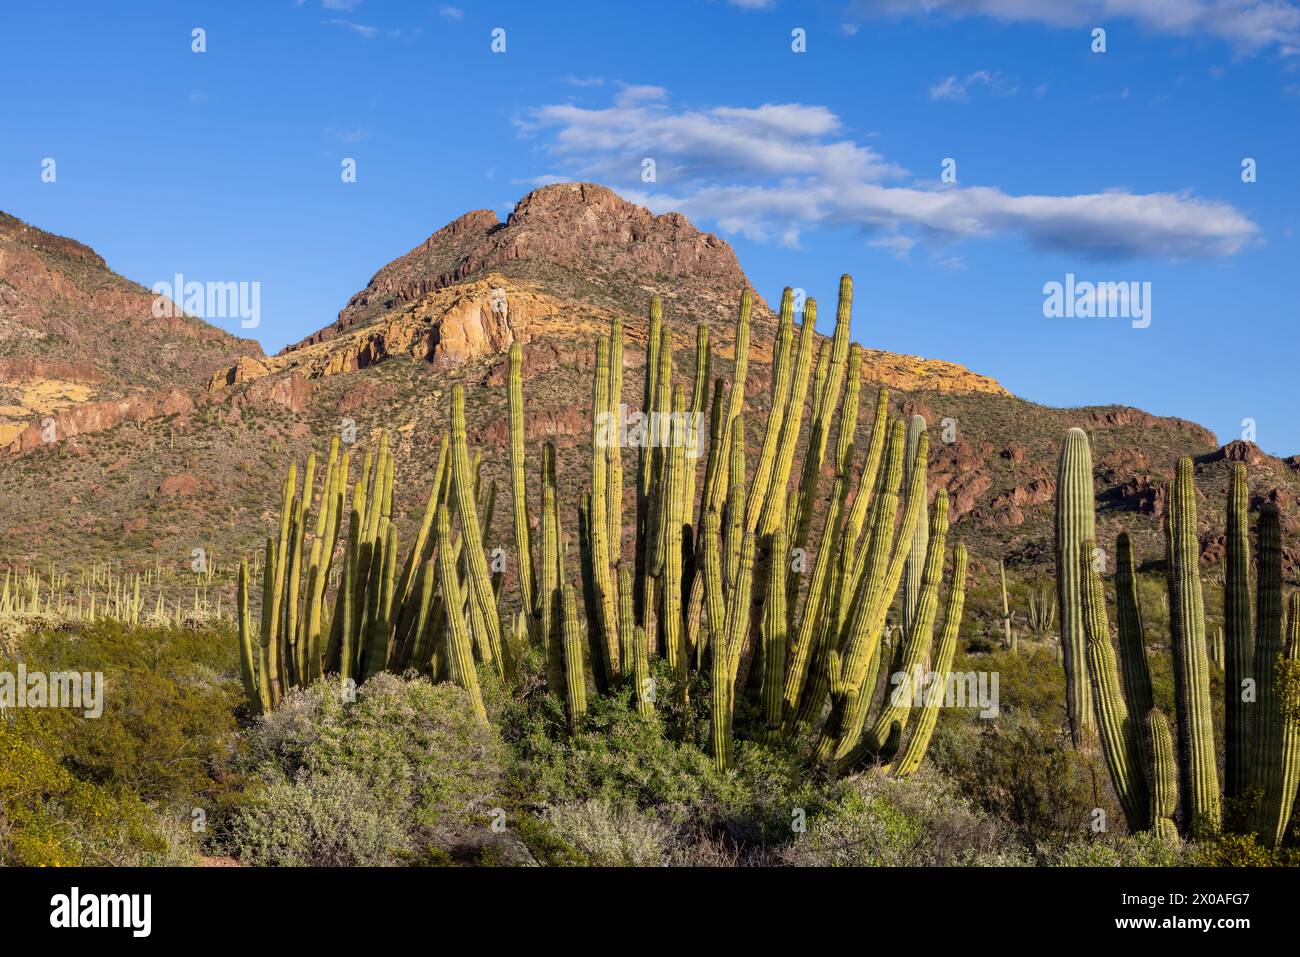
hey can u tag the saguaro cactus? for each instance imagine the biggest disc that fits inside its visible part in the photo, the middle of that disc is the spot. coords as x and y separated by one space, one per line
1075 524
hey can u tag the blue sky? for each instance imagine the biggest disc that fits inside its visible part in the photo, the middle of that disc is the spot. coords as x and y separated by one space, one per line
1122 166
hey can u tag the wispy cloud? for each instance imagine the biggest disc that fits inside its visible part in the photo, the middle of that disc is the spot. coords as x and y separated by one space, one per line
769 171
958 87
347 136
341 4
753 4
1249 26
360 29
585 81
450 12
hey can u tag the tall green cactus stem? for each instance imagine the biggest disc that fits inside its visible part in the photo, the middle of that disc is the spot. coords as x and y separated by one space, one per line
1200 776
916 643
775 635
614 450
480 581
1270 721
247 669
634 649
1121 740
933 700
816 606
774 505
913 570
729 650
699 396
550 598
718 494
575 674
782 376
1281 801
1075 524
1236 653
1162 773
826 399
1132 634
460 654
604 432
519 491
675 510
646 462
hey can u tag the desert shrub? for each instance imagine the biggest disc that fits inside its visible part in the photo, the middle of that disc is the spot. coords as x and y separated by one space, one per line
611 836
1048 792
50 818
404 767
1241 850
887 822
1130 850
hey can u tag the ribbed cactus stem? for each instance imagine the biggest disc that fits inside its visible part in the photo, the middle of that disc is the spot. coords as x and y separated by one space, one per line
1121 741
1200 775
775 633
604 433
1268 760
1162 773
518 488
460 654
575 674
480 580
247 667
774 504
1132 635
913 570
1075 524
1235 656
614 450
933 699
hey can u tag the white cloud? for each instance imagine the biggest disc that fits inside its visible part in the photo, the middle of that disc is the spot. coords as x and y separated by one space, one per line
768 171
753 4
1248 26
358 28
958 88
451 13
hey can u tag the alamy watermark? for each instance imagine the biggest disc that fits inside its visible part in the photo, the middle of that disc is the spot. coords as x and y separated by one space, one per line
1098 300
649 430
79 690
946 689
208 300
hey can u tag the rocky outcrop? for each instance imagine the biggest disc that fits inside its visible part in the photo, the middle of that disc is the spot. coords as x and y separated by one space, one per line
568 224
90 417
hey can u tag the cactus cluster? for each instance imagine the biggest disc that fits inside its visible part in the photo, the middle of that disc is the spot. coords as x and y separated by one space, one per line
1166 782
716 580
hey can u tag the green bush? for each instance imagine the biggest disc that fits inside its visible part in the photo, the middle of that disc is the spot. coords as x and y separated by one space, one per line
886 822
403 768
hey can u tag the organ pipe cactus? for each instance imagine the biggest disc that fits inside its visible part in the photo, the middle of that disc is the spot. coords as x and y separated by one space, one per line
913 570
1132 636
1191 667
925 721
1121 740
1162 775
1236 652
1269 761
711 579
1075 524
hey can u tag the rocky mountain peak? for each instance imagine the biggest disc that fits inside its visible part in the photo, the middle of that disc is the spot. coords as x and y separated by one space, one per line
561 234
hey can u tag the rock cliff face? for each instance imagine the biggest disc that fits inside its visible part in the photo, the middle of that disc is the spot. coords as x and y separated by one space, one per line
83 350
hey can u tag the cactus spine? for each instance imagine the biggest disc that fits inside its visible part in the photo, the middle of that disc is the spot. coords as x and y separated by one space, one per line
1075 524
